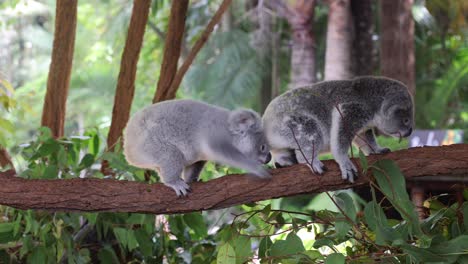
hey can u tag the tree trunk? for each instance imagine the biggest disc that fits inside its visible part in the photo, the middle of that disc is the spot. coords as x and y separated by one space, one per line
53 113
5 159
171 93
93 195
303 43
262 41
128 67
172 48
397 42
339 41
363 62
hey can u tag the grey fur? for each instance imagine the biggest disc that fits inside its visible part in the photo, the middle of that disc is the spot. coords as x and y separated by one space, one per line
329 115
177 137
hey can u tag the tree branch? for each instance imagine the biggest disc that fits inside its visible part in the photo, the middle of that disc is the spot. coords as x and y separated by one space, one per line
93 195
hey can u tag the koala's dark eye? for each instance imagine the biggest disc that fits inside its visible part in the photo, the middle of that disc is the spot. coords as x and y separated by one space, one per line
263 148
406 121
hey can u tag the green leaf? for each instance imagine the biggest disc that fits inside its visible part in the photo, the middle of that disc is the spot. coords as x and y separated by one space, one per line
197 224
7 232
242 247
38 255
363 160
48 147
93 144
343 225
422 255
7 125
132 242
44 134
393 184
264 248
121 235
324 242
51 172
144 242
266 210
452 249
107 256
292 245
335 258
226 255
465 216
62 159
375 216
86 161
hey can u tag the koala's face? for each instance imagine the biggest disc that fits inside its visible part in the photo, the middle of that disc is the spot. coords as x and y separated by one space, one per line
397 118
254 145
248 135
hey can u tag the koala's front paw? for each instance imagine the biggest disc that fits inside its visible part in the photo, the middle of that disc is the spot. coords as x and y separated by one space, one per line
348 170
318 166
179 186
262 173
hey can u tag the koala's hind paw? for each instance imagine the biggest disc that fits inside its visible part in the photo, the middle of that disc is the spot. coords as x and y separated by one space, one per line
180 187
348 170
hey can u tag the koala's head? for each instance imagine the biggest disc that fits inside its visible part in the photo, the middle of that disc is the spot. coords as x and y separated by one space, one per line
396 114
248 135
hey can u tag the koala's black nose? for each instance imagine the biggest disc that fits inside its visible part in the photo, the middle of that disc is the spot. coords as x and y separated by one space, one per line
408 133
268 158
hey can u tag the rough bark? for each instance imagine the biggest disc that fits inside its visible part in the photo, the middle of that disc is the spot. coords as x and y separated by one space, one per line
195 49
53 113
5 159
172 48
397 42
363 62
94 195
339 41
128 67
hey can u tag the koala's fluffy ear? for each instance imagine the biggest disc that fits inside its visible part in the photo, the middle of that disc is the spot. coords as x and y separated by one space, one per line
242 120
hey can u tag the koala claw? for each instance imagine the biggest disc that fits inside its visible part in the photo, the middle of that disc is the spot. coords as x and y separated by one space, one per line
318 166
262 173
348 171
180 187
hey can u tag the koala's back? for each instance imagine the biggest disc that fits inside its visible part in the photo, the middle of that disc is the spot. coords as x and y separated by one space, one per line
158 128
313 106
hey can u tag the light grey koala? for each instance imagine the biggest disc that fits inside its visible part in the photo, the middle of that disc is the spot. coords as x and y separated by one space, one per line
330 115
177 137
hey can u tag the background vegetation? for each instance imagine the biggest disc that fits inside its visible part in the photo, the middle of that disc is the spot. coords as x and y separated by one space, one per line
230 71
